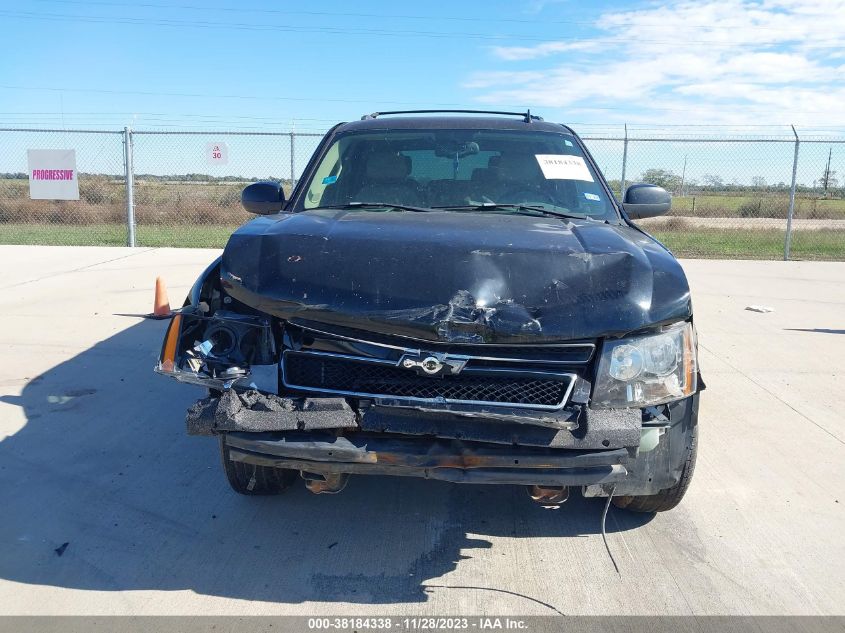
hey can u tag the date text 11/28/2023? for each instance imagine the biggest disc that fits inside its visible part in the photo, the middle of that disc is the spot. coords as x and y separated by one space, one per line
484 623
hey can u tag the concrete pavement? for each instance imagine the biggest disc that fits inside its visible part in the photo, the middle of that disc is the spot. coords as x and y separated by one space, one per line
93 453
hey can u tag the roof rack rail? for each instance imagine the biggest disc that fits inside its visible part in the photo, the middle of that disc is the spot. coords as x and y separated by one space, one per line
526 116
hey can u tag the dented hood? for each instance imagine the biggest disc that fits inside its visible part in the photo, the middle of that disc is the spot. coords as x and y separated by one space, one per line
455 276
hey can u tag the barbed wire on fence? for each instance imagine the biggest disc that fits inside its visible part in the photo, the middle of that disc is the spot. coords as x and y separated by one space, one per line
753 195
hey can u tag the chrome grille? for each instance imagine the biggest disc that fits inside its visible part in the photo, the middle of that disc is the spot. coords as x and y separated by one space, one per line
366 377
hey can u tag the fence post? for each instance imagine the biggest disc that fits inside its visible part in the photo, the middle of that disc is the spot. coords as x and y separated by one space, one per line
624 165
130 186
788 242
292 171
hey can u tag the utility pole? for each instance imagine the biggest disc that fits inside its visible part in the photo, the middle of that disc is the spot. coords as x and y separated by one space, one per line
624 165
683 175
827 171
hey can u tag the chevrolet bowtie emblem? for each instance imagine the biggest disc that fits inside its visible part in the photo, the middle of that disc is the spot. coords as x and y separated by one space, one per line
432 365
429 364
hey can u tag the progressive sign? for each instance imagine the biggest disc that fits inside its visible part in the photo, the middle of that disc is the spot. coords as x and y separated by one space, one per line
52 174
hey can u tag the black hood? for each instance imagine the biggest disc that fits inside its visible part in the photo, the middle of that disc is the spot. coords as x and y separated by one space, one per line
455 276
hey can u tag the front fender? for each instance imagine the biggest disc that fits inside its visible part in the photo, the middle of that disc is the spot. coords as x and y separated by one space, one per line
211 341
202 286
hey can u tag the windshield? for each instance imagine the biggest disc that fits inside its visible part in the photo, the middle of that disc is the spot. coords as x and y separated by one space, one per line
458 169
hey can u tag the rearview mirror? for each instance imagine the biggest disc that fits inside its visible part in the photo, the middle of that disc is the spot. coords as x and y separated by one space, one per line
264 198
646 201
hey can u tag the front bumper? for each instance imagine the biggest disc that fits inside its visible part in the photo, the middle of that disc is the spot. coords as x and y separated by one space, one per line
327 438
446 460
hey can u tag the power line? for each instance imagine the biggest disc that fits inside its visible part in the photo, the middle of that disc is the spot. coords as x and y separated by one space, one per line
376 101
171 115
437 18
93 19
808 134
282 119
35 126
660 126
234 96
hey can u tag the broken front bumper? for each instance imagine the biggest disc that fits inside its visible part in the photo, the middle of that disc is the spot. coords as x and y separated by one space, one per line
326 437
447 460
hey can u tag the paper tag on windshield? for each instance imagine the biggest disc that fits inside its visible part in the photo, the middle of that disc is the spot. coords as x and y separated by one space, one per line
563 167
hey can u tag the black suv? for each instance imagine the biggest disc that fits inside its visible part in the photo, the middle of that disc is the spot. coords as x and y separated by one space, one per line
448 295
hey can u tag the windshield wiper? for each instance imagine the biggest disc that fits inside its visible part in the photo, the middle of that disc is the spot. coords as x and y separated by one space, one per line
519 208
374 205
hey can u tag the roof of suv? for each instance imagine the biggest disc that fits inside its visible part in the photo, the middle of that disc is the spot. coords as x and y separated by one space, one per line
446 122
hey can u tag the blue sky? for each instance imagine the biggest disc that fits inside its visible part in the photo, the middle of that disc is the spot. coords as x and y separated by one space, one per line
272 65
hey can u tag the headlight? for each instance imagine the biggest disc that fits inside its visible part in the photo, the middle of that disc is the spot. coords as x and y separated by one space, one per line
641 371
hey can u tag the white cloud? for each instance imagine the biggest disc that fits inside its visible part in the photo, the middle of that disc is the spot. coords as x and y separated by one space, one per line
763 60
516 53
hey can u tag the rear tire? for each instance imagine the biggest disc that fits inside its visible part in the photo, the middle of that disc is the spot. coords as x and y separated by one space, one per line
249 479
669 497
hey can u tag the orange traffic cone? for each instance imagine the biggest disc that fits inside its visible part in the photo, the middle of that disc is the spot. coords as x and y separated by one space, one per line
161 305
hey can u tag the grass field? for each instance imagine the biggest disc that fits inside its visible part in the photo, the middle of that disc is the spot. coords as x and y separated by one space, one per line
695 242
203 214
187 236
103 199
753 244
726 206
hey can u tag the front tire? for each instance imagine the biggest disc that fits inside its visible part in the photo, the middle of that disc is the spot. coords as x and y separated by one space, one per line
667 498
249 479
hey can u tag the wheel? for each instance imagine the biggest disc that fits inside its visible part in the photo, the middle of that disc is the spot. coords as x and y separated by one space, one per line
667 498
249 479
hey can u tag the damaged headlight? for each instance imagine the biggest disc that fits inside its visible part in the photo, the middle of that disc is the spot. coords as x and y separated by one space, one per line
217 350
641 371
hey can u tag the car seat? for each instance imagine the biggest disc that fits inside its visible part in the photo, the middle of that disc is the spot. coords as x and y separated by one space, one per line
386 180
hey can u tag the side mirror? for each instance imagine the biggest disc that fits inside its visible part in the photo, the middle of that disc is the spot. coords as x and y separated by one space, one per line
646 201
264 198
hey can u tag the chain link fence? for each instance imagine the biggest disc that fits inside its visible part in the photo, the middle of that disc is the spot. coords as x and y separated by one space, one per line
737 197
184 198
97 218
732 196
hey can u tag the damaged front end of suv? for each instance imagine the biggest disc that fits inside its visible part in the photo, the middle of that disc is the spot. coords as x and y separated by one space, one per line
453 298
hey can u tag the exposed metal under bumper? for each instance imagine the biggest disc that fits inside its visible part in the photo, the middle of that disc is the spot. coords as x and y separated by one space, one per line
454 461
